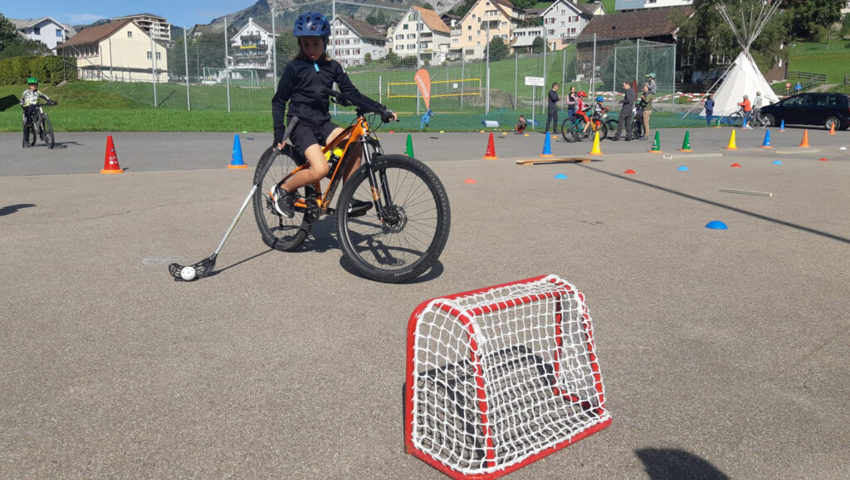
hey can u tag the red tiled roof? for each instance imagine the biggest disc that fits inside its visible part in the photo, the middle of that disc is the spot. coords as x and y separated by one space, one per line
94 34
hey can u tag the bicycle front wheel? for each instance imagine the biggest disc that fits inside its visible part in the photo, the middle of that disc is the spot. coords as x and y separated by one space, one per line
48 132
736 119
278 231
406 237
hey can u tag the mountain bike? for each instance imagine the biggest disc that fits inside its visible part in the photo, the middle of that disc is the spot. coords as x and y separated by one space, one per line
573 130
636 126
737 119
38 126
397 236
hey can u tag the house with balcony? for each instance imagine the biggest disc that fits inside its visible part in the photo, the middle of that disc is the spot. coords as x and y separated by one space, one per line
421 31
251 49
117 51
564 20
45 30
153 25
487 19
351 40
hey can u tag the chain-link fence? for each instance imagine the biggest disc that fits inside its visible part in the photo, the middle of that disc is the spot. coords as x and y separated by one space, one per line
205 69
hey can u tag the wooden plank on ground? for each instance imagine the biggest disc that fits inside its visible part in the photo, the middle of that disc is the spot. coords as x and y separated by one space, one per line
547 160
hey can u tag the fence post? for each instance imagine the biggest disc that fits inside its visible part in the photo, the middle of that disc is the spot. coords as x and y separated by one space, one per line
516 72
186 63
226 66
153 69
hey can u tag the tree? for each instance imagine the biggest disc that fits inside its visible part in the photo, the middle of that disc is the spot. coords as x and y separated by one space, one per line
523 4
14 45
809 18
538 44
705 36
428 6
498 49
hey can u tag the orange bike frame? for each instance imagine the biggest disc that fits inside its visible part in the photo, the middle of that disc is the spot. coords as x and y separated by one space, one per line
348 137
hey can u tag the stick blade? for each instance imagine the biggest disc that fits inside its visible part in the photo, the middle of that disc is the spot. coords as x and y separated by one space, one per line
202 268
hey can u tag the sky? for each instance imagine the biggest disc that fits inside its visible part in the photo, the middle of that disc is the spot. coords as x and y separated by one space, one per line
82 12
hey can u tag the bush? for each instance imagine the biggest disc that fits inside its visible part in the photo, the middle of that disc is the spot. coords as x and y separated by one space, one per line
48 70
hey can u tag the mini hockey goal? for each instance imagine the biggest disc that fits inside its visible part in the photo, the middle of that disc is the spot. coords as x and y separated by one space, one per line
500 377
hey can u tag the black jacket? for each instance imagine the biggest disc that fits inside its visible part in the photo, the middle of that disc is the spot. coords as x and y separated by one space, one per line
553 101
302 83
629 100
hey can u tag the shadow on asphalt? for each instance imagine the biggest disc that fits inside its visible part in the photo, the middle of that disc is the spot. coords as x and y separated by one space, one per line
669 464
10 209
720 205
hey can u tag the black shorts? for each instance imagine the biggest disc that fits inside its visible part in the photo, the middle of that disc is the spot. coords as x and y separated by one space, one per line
304 135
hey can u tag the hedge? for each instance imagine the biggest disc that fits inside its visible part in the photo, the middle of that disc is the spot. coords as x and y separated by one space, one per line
16 70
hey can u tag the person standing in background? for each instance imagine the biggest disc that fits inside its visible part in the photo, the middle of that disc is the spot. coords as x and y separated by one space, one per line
649 89
626 113
572 101
709 109
552 112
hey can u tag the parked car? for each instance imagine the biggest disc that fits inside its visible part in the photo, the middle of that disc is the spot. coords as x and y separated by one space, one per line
810 109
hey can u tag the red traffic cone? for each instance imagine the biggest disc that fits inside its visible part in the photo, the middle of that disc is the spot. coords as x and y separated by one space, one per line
490 154
630 172
110 160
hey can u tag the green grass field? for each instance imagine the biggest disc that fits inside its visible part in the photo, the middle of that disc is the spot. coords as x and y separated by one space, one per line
817 58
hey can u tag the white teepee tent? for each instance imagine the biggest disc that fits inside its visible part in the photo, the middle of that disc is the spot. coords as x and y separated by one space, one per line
743 76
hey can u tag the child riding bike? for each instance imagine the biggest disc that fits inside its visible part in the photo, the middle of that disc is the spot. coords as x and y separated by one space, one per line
29 100
301 85
582 109
598 113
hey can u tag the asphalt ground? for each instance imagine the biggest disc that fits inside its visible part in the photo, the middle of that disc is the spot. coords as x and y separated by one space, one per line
723 352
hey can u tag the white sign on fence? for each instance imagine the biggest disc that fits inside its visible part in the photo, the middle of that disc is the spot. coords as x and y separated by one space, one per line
534 81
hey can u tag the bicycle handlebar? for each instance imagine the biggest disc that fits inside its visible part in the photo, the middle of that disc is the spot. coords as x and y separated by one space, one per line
342 100
48 103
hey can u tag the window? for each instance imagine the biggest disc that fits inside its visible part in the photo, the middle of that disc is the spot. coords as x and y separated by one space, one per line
130 34
59 32
159 55
36 30
149 55
405 27
469 38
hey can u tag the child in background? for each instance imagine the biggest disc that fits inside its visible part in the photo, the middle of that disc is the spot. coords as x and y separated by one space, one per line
521 125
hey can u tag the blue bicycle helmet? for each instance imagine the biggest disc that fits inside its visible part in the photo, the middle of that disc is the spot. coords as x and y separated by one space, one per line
312 24
600 98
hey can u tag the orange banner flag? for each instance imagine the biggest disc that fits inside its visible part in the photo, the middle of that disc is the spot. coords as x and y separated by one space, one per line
423 81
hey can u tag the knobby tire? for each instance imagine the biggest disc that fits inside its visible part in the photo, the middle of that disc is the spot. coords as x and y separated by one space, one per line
408 241
279 232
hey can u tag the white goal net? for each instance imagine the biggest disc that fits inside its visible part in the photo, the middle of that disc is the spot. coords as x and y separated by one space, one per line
500 377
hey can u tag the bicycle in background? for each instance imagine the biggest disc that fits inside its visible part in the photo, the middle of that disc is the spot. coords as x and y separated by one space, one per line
37 125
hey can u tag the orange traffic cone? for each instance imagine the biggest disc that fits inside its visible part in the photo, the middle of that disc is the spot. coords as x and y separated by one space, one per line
110 159
832 128
805 142
490 154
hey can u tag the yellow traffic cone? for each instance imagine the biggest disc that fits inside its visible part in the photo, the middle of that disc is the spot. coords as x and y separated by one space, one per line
732 145
595 150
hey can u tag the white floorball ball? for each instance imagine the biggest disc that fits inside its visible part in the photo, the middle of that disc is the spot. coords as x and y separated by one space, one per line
188 273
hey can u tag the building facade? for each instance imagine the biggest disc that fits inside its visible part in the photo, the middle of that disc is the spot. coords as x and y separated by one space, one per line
117 51
421 32
45 30
351 40
626 5
153 25
487 19
251 48
564 21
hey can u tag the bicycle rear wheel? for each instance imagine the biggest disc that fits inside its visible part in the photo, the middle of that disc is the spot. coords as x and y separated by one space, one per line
278 231
48 133
603 130
408 237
